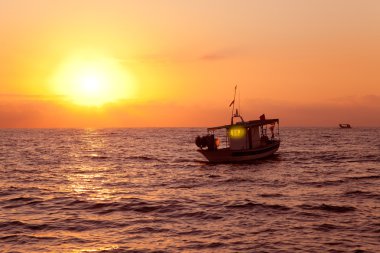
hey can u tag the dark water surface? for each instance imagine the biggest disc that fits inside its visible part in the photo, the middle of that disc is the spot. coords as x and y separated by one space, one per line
147 190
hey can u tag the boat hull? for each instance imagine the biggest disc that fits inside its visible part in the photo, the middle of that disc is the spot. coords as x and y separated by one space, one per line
226 155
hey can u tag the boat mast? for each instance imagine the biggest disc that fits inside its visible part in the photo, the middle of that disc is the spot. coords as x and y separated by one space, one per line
236 115
233 107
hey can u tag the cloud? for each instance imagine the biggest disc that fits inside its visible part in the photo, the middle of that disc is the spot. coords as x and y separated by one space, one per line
25 97
219 55
372 99
176 57
369 100
146 58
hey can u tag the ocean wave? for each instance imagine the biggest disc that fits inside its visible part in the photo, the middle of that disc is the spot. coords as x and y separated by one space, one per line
11 225
21 201
273 195
143 158
253 205
186 160
328 208
204 245
326 227
322 183
129 205
237 180
362 194
200 215
98 157
149 230
26 239
73 225
369 177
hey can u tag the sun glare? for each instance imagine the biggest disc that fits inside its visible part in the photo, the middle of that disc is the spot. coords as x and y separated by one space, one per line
93 81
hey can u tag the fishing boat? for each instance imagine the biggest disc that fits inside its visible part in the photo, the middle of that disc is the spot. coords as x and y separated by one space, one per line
344 125
240 141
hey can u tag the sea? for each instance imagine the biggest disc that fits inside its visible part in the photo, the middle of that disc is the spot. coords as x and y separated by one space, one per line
149 190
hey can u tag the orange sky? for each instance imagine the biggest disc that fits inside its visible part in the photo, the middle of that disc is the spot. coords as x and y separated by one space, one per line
309 63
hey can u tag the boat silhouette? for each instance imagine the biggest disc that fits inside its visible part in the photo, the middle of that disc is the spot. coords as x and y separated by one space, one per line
240 141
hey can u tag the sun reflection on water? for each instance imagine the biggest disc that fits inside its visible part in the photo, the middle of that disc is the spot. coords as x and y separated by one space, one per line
90 180
89 183
98 249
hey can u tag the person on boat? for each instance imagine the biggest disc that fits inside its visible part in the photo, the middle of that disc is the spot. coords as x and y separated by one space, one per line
217 143
271 128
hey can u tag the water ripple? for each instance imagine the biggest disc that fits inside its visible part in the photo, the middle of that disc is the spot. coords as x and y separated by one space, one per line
115 190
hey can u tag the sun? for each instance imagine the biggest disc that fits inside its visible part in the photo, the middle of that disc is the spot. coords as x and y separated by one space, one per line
92 81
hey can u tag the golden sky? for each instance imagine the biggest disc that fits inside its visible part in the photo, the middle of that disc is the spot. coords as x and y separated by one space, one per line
116 63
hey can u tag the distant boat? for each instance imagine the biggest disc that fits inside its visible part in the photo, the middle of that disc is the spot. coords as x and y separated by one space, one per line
241 141
344 125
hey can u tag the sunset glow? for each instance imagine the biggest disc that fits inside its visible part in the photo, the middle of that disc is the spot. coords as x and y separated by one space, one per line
119 63
93 81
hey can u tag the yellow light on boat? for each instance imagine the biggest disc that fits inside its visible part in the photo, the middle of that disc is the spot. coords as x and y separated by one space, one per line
237 132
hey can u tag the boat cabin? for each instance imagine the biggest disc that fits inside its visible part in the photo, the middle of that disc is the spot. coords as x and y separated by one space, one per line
247 135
